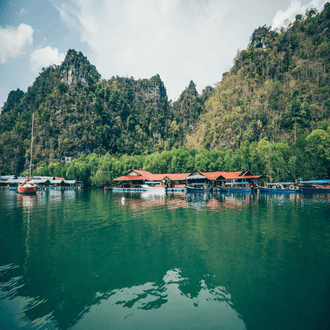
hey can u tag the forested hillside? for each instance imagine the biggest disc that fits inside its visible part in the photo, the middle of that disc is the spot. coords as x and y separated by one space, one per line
269 114
76 113
278 88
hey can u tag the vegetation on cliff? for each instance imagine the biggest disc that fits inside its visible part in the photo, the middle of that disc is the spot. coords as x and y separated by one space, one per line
269 114
278 88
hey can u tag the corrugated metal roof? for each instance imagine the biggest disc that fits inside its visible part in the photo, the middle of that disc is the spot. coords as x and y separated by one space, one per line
196 177
130 178
40 181
7 177
15 181
177 177
316 181
70 181
56 181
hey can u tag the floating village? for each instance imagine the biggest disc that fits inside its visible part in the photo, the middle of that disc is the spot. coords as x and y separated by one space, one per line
194 182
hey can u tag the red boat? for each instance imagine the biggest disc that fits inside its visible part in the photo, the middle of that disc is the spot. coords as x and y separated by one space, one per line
28 187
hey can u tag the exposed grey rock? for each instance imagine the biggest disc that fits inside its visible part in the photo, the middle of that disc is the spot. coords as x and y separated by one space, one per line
76 67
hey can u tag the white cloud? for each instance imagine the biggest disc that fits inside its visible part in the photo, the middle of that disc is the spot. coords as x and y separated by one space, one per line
23 11
13 41
295 8
181 40
45 57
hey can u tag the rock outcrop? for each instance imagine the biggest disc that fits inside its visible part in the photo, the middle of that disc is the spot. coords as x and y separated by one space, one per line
76 67
13 99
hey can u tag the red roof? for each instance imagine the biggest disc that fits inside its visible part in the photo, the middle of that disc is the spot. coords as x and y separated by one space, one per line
57 178
141 175
177 176
213 176
246 177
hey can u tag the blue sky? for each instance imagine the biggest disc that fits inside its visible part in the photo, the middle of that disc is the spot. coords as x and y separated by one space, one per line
181 40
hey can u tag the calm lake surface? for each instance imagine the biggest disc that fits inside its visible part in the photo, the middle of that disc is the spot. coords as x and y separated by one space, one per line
88 260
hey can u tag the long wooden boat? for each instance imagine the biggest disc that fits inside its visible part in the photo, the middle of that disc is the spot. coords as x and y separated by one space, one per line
314 190
236 187
190 189
279 188
277 191
235 190
315 186
27 188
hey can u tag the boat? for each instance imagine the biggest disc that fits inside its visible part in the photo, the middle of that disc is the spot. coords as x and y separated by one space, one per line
154 190
235 187
279 188
28 186
191 189
315 186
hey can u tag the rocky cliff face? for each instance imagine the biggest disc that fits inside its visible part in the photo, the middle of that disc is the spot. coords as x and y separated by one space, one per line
76 67
13 99
259 37
188 107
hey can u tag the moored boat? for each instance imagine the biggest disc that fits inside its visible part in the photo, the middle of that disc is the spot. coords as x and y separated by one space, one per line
191 189
154 190
279 188
237 187
315 186
28 188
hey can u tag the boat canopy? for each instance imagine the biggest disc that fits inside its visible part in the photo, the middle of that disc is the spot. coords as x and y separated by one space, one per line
197 176
283 183
197 182
317 181
229 183
153 181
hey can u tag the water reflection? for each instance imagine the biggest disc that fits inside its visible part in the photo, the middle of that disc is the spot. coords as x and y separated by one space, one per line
201 260
199 201
166 305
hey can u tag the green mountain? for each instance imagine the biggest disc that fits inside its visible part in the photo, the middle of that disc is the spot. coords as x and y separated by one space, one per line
278 87
269 114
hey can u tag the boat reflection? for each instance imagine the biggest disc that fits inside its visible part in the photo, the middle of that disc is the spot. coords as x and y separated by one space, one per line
154 202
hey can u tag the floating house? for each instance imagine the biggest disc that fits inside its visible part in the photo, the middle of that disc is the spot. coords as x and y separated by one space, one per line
42 182
137 178
216 179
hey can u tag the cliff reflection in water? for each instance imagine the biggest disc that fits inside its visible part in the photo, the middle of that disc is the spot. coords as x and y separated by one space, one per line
201 260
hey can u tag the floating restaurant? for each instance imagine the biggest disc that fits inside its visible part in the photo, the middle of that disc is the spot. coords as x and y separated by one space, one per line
137 180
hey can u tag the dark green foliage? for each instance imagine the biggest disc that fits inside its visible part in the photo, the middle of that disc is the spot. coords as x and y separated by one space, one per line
278 87
13 100
270 114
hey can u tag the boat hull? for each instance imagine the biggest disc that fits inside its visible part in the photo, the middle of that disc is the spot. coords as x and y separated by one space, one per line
27 190
277 191
236 190
196 190
314 190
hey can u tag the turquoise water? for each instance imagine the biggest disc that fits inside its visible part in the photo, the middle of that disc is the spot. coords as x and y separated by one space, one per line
89 260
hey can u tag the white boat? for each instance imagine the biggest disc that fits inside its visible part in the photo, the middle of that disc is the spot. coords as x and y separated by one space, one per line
154 190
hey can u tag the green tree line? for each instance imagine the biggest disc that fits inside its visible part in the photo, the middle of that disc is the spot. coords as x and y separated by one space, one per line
308 157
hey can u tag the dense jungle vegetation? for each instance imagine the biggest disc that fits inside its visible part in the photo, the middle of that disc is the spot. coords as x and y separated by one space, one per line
269 114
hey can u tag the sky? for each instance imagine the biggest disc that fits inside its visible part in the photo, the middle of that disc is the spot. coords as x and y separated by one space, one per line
181 40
